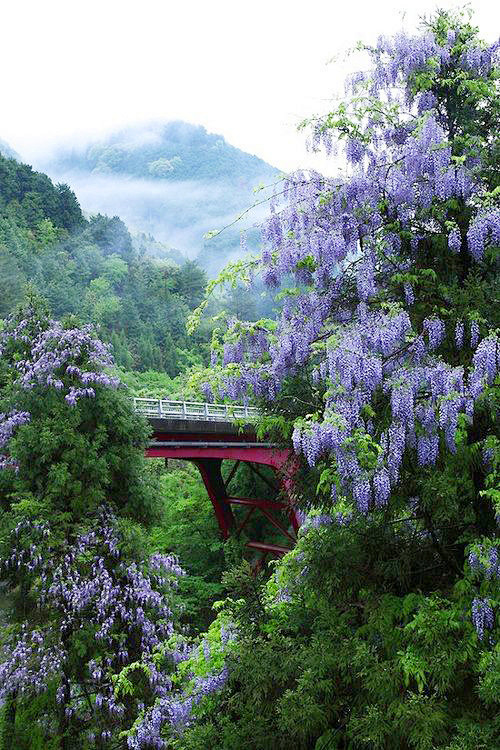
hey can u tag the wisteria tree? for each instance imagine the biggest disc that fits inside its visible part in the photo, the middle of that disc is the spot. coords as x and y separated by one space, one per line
394 266
383 369
90 605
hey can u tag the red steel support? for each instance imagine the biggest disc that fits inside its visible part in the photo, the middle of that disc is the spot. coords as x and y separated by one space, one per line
208 456
248 516
231 474
210 470
269 504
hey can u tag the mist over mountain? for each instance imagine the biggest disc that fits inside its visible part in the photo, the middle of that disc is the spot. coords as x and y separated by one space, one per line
174 181
7 151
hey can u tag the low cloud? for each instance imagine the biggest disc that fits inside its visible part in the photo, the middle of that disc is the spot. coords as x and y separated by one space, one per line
176 213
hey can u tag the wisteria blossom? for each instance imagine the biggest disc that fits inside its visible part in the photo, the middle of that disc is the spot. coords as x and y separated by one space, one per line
482 616
86 585
9 423
71 360
342 241
484 561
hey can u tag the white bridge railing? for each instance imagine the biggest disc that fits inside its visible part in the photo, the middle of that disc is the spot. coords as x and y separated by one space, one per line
159 407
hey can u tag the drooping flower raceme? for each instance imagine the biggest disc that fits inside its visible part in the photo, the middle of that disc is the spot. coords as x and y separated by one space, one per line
350 246
8 424
86 588
482 616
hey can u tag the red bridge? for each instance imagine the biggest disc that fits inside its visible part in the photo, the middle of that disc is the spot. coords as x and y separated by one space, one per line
207 435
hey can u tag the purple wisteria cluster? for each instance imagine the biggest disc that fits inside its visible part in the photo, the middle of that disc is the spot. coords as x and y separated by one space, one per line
426 397
176 712
85 584
398 58
342 242
67 359
317 521
36 656
482 616
9 423
484 561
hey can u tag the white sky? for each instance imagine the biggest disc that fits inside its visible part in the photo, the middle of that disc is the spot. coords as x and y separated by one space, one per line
249 69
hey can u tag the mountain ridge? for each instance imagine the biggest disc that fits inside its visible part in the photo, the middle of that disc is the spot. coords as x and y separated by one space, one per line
162 150
174 181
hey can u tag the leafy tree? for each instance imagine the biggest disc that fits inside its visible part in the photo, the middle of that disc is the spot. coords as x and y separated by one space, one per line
189 282
112 236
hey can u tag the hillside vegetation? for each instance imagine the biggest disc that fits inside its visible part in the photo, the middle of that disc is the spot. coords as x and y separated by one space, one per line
92 269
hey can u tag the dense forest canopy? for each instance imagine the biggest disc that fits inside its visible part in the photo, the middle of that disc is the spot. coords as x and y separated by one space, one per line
95 270
374 358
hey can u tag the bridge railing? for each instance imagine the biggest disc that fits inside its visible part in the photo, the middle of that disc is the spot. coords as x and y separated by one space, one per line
190 410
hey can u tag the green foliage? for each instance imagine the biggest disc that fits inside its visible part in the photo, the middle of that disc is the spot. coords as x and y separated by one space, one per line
347 657
74 460
92 270
188 528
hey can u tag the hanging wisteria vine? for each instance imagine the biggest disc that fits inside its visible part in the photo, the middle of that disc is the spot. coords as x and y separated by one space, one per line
355 248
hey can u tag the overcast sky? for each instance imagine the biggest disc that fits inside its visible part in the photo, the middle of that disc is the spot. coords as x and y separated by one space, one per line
249 69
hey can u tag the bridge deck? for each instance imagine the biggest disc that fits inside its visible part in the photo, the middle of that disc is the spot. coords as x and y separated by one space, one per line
199 427
169 418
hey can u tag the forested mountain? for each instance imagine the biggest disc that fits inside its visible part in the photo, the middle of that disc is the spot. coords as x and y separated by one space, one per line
93 269
173 180
175 151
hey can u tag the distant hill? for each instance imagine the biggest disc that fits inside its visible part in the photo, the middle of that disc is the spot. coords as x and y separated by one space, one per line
174 151
172 180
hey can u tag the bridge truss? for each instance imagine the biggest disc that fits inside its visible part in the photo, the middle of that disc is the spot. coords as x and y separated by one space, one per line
206 435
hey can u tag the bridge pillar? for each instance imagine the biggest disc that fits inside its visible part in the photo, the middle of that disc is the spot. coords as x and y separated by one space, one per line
210 470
